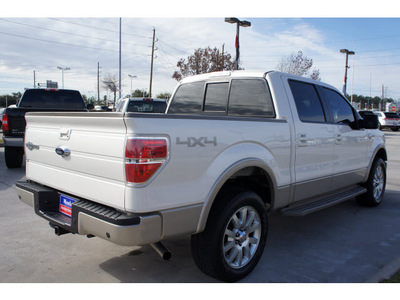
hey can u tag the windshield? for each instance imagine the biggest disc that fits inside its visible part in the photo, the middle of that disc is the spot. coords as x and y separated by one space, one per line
54 99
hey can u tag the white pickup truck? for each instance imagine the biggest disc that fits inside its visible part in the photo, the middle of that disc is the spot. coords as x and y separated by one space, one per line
231 148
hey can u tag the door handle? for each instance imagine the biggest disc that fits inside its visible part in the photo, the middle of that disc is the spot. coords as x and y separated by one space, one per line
303 141
339 139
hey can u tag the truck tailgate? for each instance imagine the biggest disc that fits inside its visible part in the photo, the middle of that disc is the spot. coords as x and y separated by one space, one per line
93 170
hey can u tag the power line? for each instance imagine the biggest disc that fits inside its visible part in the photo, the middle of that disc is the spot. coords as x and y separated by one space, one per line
183 52
104 29
68 44
65 32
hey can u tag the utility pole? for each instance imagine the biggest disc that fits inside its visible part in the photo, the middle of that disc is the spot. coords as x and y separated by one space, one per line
152 60
34 79
98 82
119 58
370 87
223 60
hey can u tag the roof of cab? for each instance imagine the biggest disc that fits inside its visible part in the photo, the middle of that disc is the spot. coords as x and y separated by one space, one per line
245 73
240 73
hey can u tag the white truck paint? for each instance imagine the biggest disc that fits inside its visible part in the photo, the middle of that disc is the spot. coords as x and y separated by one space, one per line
252 143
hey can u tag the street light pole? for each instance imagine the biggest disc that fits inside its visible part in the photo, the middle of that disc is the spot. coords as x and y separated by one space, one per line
238 24
132 76
347 52
62 71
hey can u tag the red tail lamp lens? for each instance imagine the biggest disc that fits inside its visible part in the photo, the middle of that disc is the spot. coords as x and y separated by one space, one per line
143 158
5 122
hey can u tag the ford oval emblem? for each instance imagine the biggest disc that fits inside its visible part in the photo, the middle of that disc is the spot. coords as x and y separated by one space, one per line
63 151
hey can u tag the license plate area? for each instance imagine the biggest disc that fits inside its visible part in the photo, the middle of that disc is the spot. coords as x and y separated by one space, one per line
65 206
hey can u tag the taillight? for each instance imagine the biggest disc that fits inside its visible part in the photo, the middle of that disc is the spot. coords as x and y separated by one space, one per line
144 157
5 122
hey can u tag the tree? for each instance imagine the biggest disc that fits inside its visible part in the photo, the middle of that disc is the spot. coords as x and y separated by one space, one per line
298 65
203 61
164 95
110 82
140 93
10 99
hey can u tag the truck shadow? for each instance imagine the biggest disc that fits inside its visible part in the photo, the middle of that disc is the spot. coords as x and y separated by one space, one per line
9 176
144 265
346 243
342 244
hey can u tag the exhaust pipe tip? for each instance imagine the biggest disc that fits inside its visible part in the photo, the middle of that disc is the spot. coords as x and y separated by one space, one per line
167 255
162 251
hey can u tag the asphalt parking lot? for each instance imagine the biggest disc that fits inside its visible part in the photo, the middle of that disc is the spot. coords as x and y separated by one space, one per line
343 244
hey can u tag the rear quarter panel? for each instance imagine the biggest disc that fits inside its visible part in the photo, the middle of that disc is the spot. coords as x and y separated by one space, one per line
201 150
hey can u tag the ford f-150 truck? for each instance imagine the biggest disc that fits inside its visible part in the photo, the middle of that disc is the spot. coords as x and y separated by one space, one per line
33 100
232 147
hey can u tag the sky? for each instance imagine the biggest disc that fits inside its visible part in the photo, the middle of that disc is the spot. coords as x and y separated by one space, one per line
37 37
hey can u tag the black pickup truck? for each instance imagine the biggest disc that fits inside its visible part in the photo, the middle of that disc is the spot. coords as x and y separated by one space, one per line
34 100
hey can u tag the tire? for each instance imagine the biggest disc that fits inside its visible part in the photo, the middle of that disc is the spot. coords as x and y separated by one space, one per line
14 157
375 185
234 238
395 129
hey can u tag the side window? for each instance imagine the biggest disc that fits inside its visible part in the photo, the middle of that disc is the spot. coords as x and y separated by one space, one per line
308 104
340 109
250 97
216 97
188 99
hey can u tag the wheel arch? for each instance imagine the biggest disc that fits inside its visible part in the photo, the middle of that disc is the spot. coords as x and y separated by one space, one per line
252 174
380 152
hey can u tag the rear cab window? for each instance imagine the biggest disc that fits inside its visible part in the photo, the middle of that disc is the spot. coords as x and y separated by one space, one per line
235 97
146 106
216 97
54 99
188 99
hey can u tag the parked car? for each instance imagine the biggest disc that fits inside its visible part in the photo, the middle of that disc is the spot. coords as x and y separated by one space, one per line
34 100
145 105
388 119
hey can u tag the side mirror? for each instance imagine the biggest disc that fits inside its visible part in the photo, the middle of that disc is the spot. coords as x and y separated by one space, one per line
90 106
369 121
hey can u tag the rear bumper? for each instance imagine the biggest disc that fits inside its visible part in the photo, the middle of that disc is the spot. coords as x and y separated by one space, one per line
12 141
90 218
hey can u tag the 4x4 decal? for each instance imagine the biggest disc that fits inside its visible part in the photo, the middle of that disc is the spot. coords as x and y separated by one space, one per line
193 142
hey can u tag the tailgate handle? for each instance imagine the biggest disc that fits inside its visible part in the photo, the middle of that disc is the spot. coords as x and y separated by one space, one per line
64 134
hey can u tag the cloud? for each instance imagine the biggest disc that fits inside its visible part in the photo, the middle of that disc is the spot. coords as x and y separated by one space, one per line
42 44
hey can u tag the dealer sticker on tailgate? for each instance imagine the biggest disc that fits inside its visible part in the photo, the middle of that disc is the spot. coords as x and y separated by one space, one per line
66 205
